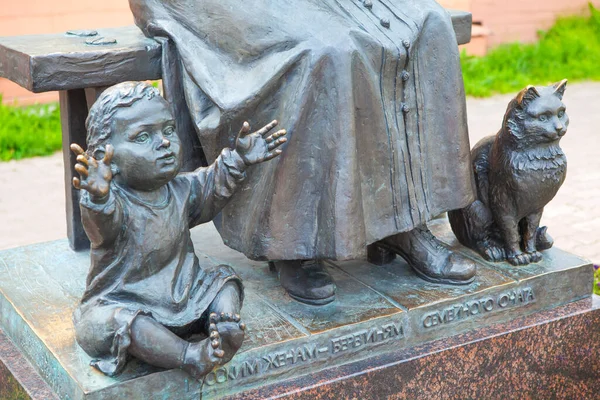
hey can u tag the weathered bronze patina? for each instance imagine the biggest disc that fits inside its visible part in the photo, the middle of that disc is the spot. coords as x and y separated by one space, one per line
379 310
373 98
372 94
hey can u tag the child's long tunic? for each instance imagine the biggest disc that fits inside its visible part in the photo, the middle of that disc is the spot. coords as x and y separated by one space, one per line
143 261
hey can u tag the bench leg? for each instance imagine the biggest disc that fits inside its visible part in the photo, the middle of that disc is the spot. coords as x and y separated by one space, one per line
73 112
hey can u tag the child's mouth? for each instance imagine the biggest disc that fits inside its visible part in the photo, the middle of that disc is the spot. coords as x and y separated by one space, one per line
167 158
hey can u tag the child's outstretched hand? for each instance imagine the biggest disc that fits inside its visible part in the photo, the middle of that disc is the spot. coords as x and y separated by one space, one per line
95 175
255 148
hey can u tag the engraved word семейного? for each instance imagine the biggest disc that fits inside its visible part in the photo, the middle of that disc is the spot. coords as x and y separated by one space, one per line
457 312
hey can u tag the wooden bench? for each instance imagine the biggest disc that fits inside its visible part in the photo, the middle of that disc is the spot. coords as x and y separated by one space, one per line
80 71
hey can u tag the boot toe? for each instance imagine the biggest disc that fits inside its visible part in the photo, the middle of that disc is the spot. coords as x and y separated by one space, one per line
460 269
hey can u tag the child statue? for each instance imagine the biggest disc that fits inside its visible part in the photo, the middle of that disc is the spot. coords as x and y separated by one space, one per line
146 293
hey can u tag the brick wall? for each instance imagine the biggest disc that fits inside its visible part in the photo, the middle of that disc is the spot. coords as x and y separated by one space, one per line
23 17
457 4
517 20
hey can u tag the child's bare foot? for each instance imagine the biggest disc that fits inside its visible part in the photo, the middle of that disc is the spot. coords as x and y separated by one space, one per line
231 331
200 358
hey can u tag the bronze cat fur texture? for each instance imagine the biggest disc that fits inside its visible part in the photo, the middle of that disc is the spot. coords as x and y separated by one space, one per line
517 172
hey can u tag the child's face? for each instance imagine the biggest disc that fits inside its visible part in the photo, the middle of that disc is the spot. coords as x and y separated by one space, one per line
147 148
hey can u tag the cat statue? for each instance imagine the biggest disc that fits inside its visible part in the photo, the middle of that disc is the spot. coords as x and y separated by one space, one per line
517 172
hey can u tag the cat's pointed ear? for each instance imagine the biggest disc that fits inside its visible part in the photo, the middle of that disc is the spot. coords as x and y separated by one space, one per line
528 94
559 88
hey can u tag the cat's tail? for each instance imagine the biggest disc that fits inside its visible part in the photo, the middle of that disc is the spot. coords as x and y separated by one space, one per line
543 241
472 226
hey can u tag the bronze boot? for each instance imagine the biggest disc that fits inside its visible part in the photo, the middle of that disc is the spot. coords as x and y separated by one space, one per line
430 258
306 281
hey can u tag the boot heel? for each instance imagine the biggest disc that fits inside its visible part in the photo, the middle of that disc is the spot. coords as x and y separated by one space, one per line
272 267
379 255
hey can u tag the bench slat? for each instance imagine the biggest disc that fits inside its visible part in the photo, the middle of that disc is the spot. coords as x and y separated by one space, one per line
462 21
43 63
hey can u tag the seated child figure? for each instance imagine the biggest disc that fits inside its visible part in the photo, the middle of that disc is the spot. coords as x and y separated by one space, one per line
146 292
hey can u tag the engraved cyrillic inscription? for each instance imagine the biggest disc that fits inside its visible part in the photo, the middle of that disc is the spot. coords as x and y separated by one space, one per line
512 298
306 354
362 338
289 357
233 372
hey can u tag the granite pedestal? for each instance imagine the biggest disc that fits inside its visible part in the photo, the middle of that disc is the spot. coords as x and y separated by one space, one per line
389 333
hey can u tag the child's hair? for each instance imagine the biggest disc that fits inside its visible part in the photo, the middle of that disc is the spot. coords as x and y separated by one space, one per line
98 123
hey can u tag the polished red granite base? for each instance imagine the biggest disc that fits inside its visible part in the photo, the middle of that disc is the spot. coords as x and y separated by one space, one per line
549 355
18 379
9 387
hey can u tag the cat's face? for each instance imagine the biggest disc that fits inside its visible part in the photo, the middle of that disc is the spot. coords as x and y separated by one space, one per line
542 114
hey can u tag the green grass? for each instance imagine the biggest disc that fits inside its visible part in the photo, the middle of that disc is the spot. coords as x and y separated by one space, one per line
597 279
570 49
29 131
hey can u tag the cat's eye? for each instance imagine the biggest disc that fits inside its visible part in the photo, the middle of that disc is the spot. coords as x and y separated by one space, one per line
169 130
561 114
142 137
543 118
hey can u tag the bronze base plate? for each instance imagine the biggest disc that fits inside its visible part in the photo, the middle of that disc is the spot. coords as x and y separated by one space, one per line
378 311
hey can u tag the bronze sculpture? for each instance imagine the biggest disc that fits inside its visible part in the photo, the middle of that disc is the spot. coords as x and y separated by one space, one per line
372 95
146 292
382 314
518 171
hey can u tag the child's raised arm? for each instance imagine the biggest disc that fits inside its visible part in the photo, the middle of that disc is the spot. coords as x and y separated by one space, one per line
257 147
213 186
100 214
95 176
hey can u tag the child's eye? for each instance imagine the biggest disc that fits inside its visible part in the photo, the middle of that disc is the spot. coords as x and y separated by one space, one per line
169 131
142 137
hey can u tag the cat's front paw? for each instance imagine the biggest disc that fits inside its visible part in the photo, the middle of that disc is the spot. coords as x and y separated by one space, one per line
535 256
519 259
494 253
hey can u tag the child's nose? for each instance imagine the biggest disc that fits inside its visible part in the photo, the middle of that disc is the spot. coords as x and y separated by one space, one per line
164 143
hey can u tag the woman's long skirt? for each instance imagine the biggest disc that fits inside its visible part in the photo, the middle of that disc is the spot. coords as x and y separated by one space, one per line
371 95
